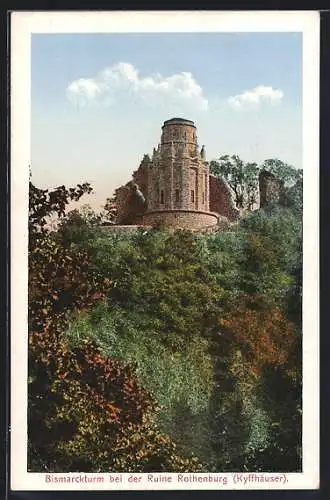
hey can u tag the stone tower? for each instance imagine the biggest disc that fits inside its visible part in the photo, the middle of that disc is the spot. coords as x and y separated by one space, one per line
178 179
270 188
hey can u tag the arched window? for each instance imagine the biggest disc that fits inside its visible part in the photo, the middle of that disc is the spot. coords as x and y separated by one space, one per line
162 197
192 196
177 195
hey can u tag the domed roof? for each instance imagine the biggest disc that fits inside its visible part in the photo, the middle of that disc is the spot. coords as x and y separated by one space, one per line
179 121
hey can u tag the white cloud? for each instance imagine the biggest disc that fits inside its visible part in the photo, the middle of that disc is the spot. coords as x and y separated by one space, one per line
255 97
85 88
123 79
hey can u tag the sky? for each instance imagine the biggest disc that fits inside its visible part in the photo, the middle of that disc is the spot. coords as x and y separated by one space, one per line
99 100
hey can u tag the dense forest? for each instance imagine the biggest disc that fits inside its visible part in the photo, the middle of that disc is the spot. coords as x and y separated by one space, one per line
166 351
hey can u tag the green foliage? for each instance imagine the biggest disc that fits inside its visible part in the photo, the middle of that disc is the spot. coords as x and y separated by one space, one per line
242 177
293 198
230 410
132 337
180 381
266 258
60 279
44 203
283 171
262 255
78 227
87 412
162 309
257 336
163 273
280 397
150 349
110 209
79 404
272 247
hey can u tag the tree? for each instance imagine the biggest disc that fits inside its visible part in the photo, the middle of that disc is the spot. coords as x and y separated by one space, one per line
161 273
293 198
260 331
280 396
161 312
78 226
86 412
288 174
133 337
271 248
241 176
258 337
111 209
43 204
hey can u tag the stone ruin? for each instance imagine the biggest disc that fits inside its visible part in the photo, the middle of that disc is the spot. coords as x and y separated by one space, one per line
271 189
174 188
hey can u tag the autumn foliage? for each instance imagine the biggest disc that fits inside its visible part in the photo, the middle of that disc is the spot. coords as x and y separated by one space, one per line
150 349
86 412
261 332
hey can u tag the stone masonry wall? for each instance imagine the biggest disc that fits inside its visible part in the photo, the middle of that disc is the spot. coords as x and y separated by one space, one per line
116 228
141 179
183 219
126 210
221 200
140 176
270 188
176 179
123 194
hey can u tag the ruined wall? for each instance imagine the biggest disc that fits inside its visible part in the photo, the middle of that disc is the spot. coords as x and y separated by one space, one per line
221 200
140 176
141 179
129 209
122 194
270 189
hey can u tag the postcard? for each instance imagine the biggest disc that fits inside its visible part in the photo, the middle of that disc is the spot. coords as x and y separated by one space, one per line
164 250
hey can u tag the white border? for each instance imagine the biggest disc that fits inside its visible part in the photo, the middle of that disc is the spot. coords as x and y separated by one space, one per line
23 24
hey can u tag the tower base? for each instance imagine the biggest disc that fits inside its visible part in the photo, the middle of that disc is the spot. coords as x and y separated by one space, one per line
180 219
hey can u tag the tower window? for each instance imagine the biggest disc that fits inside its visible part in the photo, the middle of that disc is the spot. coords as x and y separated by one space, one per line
203 197
192 196
162 197
177 195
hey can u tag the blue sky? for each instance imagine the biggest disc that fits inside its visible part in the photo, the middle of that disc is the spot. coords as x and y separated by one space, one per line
99 100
